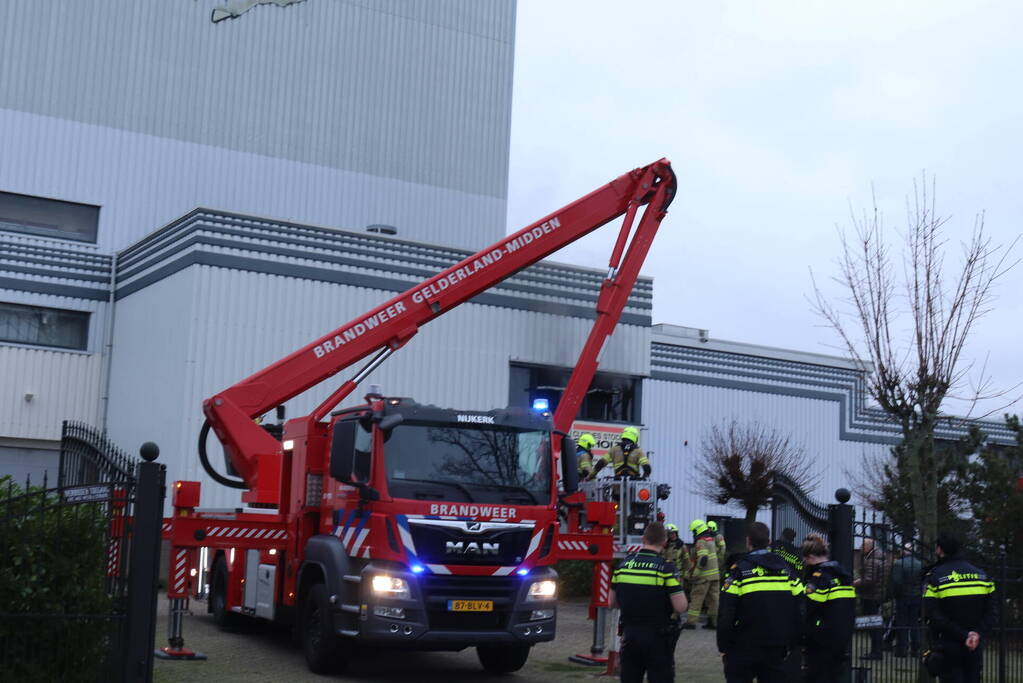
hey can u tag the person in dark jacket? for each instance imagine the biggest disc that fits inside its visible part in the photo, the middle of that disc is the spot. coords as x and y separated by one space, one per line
830 609
785 546
959 609
646 588
906 589
870 590
758 616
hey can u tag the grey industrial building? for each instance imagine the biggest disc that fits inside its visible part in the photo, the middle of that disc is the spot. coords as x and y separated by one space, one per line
184 201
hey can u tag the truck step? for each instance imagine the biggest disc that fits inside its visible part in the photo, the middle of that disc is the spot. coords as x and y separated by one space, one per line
354 609
353 578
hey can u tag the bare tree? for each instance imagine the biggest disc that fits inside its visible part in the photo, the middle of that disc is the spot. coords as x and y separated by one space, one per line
740 462
907 328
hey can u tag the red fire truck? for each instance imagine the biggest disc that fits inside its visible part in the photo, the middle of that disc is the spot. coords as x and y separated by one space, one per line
400 524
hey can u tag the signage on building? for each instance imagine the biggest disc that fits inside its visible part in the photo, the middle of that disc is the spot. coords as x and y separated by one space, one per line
606 434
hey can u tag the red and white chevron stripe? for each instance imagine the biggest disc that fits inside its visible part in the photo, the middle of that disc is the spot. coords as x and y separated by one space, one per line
572 545
179 573
603 583
246 532
114 557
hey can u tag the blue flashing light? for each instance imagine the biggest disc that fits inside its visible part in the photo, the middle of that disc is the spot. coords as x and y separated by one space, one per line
418 569
522 572
541 405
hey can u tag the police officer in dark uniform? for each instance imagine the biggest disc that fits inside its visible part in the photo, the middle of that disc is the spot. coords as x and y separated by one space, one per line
830 608
959 609
758 617
646 589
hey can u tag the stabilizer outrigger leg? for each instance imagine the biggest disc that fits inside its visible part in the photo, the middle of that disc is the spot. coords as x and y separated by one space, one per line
177 596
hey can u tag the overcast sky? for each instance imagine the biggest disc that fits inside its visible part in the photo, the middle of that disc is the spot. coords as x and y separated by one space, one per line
777 117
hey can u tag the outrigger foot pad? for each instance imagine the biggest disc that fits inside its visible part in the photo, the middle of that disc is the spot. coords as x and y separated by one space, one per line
180 653
589 660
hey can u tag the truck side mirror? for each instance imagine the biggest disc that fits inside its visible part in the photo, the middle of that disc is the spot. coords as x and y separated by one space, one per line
569 467
342 451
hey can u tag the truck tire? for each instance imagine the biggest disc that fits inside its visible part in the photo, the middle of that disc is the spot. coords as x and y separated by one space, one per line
502 659
320 643
225 619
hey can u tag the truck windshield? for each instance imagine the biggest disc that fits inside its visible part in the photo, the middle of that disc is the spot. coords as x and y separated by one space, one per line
463 463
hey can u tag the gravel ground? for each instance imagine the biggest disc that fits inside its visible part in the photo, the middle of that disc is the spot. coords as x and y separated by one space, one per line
264 654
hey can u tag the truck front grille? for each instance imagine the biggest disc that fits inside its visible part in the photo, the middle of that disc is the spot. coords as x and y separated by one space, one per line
438 589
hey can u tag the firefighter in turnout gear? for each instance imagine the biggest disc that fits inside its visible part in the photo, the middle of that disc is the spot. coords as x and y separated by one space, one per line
706 577
959 609
646 589
760 617
719 543
676 552
830 608
584 455
627 458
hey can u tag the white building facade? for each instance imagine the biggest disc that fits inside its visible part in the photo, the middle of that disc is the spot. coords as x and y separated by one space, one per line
123 305
119 117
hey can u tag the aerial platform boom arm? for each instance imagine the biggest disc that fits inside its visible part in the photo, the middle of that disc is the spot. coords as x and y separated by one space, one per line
391 325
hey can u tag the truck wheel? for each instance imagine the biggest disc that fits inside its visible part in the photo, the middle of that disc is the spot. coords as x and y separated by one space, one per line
502 659
320 642
224 618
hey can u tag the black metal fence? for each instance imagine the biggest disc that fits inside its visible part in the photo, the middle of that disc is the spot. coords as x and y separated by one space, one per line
792 508
87 456
70 584
892 635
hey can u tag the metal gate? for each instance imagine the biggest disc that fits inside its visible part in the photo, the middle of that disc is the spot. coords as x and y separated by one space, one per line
78 571
891 633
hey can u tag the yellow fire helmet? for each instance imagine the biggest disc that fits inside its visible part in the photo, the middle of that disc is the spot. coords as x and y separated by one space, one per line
586 441
632 434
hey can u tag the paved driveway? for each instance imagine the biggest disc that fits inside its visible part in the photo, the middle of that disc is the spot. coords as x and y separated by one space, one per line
265 654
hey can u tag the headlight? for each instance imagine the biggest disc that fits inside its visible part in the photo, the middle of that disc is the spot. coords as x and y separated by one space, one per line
390 586
542 590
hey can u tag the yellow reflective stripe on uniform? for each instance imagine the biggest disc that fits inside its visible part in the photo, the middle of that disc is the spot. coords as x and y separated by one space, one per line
638 579
833 592
836 593
960 589
760 584
761 587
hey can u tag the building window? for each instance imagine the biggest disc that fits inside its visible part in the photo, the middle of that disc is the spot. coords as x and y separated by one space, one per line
48 217
44 326
611 398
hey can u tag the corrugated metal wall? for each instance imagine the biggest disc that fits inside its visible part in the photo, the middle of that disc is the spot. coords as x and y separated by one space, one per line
205 328
337 113
66 385
680 417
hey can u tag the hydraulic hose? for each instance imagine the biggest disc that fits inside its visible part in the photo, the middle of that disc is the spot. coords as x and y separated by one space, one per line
204 459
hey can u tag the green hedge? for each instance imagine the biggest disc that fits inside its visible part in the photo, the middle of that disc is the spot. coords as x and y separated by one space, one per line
55 622
576 577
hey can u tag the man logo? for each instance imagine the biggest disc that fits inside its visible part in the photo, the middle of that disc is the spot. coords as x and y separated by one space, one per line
472 526
471 548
